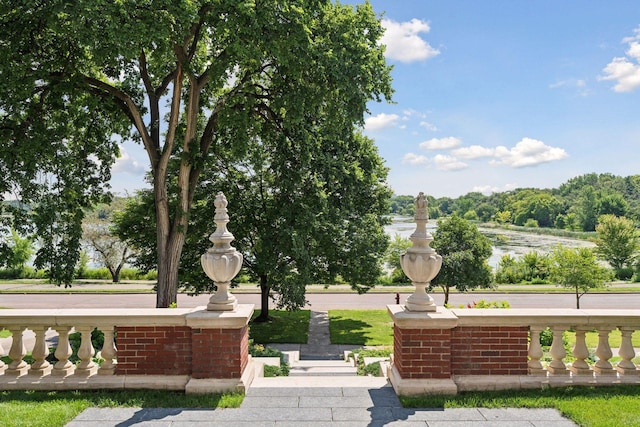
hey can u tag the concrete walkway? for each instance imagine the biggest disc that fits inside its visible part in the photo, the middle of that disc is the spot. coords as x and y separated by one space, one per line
317 401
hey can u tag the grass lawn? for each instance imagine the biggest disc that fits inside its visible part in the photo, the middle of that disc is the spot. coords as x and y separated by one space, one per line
588 406
4 333
285 327
361 327
56 408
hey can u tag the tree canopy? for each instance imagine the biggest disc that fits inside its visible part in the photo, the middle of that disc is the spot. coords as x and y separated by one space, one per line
184 79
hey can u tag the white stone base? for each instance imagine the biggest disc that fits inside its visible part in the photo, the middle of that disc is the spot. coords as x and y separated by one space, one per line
215 385
417 387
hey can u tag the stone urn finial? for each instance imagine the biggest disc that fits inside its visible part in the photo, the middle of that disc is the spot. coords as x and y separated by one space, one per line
421 263
222 262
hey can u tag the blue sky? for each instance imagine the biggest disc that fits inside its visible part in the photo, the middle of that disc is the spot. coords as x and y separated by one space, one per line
495 95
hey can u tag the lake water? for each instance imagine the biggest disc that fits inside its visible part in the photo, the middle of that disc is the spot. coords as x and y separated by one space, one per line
514 243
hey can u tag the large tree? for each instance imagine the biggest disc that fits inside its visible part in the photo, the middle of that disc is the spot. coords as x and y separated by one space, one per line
465 253
299 215
182 78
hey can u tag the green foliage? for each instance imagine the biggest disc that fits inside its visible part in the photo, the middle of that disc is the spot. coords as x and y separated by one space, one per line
486 304
240 85
465 253
532 267
397 247
577 268
618 241
259 350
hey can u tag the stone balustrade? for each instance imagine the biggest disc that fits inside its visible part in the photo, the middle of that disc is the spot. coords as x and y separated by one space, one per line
487 349
195 350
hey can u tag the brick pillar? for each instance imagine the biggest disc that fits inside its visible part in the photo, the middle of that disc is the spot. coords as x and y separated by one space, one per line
220 353
422 353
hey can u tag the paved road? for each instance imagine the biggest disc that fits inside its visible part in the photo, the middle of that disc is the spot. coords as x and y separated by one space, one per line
321 301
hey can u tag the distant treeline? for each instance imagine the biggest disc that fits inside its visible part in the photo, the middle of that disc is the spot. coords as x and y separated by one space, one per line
575 205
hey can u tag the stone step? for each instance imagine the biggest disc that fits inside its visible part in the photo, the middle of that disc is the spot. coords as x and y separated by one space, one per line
321 368
319 382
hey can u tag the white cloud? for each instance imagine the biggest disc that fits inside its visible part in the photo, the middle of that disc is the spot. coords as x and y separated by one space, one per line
488 189
126 164
440 143
415 159
528 152
473 152
448 163
381 121
625 71
403 40
428 126
579 84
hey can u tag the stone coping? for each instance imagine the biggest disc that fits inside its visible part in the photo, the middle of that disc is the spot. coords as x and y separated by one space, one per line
197 317
445 318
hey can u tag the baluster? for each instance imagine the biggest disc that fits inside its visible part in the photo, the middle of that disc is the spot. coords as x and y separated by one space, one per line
109 352
3 366
604 353
627 352
18 366
41 366
535 352
63 366
581 352
557 352
87 366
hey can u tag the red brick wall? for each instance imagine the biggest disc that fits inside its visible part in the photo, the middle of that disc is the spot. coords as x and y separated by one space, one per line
153 350
489 350
220 353
180 350
422 353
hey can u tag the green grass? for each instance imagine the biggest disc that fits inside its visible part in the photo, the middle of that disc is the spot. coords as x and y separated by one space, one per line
591 339
56 408
4 333
588 406
361 327
290 327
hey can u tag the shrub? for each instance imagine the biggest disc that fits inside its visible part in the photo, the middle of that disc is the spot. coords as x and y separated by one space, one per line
258 350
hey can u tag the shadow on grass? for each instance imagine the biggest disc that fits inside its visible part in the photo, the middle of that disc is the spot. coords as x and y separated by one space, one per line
289 327
349 331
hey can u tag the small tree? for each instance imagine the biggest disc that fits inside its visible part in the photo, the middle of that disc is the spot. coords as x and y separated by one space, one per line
577 268
108 248
397 247
21 252
618 241
465 253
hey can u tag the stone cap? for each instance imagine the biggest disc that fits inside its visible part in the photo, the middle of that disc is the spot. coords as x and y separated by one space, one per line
197 317
442 318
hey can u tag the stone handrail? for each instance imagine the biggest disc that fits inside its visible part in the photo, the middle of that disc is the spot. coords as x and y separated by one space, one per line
479 349
179 345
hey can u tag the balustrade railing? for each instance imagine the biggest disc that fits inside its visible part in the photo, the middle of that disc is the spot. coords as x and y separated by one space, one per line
160 348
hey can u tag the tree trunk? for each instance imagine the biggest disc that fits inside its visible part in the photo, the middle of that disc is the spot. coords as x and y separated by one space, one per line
264 299
577 299
446 295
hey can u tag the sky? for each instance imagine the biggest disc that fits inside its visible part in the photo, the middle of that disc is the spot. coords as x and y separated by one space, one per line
496 95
